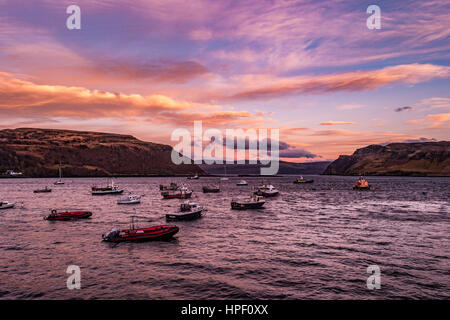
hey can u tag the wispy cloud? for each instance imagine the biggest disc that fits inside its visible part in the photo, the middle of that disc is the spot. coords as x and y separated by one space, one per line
351 81
334 123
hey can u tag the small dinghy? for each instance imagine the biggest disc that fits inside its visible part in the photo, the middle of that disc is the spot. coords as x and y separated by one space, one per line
172 186
181 193
254 202
267 191
6 205
196 177
141 234
211 189
56 215
188 211
110 189
361 184
301 180
131 199
45 190
242 183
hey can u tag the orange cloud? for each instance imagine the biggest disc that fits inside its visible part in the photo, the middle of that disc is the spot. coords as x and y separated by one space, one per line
333 123
20 98
351 81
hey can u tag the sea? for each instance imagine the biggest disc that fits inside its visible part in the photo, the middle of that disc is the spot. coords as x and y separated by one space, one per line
313 241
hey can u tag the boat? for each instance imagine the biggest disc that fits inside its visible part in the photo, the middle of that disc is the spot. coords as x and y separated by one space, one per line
267 190
188 211
62 215
131 199
302 180
110 189
253 202
242 183
196 177
211 189
141 234
6 205
181 193
59 182
172 186
45 190
361 184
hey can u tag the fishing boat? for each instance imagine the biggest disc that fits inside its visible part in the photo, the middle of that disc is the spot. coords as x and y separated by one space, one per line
253 202
188 211
131 199
59 182
211 189
62 215
45 190
361 184
242 183
301 180
172 186
110 189
196 177
181 193
141 234
267 190
6 205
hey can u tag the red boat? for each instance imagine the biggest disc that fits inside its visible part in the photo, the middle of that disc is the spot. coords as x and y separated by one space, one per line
67 215
141 234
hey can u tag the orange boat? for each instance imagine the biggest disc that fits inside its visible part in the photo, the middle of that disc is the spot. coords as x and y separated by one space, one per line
361 184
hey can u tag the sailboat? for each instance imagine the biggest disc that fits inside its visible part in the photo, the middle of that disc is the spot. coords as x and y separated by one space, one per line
59 182
225 178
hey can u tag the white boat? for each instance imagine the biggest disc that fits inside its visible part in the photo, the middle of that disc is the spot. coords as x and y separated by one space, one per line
196 177
59 182
131 199
6 205
242 183
267 190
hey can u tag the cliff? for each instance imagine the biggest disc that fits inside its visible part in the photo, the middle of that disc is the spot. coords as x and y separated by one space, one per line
38 152
396 159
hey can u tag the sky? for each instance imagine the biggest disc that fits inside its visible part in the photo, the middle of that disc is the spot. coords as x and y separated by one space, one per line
311 69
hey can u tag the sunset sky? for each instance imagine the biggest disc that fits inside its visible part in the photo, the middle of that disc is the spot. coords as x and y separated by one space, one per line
309 68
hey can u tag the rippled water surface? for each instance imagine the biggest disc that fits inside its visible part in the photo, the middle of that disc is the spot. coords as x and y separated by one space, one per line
311 242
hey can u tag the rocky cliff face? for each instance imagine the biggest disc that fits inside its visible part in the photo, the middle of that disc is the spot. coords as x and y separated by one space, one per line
402 159
37 153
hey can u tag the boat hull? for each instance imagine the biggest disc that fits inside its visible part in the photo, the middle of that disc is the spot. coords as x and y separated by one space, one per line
304 181
177 196
145 234
184 216
267 194
42 191
104 193
7 206
361 188
64 216
245 206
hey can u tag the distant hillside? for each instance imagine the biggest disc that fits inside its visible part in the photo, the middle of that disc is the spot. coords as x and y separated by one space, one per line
254 169
396 159
37 153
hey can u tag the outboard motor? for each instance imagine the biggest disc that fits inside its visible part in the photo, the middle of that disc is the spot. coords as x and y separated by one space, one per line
114 233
